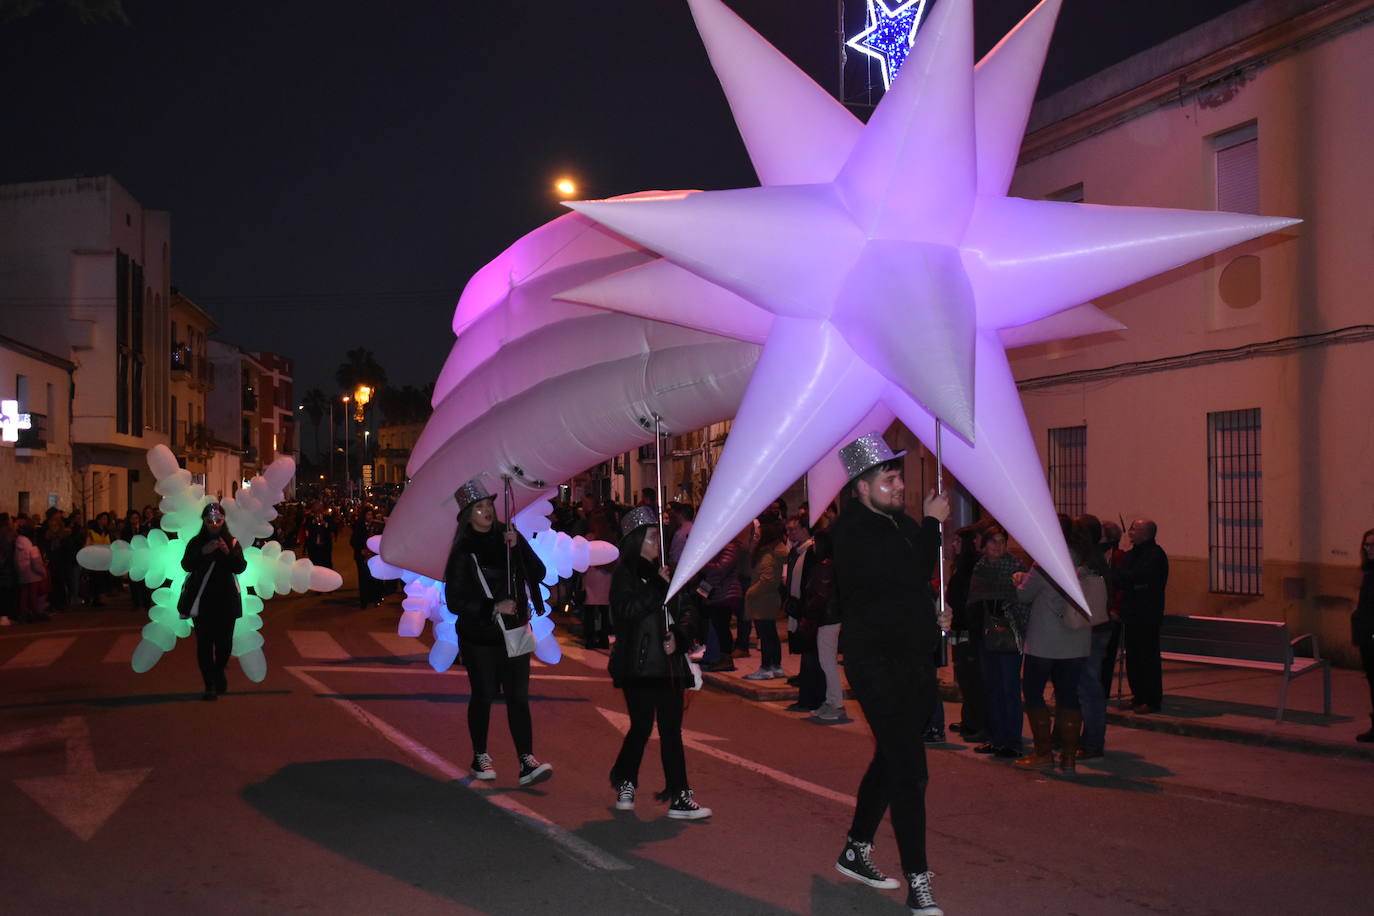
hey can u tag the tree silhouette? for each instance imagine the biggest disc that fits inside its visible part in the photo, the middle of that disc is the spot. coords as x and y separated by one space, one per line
316 402
360 367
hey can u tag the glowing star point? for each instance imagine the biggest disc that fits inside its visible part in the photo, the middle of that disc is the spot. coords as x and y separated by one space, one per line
888 37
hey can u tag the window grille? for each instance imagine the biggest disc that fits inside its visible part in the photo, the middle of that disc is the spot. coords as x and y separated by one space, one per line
1069 469
1235 522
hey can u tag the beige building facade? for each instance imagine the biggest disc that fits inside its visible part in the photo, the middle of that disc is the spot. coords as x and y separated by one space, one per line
1232 409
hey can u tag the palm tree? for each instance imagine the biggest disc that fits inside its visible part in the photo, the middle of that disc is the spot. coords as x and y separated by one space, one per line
360 367
316 402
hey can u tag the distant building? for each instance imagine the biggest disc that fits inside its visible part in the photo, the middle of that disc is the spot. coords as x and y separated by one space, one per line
394 444
250 408
86 281
36 461
1234 410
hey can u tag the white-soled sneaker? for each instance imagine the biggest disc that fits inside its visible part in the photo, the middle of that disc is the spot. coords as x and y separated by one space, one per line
625 796
856 861
532 771
685 807
763 674
481 768
919 896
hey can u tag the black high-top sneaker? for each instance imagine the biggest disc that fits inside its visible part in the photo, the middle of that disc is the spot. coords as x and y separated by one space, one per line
919 896
532 771
856 861
685 807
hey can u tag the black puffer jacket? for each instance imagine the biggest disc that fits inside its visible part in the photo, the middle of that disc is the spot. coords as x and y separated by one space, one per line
463 589
220 599
883 566
637 615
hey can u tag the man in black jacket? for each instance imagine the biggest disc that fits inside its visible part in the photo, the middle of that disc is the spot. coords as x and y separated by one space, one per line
884 561
1141 577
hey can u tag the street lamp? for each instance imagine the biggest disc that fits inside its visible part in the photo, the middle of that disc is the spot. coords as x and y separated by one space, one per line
565 188
348 471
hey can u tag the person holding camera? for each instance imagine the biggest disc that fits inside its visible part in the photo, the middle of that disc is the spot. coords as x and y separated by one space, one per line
210 595
486 557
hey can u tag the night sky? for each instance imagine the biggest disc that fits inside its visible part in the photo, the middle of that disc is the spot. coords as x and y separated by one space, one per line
336 171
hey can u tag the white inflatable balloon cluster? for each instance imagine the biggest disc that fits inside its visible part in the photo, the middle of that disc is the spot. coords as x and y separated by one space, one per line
155 559
561 555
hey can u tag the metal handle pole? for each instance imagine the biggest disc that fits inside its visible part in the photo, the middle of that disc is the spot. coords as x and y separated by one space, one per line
658 488
508 501
940 490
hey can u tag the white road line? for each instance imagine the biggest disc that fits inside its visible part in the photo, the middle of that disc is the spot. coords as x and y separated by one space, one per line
41 652
25 633
584 853
452 672
317 644
122 652
622 724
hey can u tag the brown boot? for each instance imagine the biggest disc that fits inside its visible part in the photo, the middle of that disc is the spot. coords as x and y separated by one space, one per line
1070 726
1042 755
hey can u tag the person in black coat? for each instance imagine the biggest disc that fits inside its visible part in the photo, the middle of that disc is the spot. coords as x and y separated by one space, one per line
890 632
1142 577
477 589
210 595
649 663
1362 623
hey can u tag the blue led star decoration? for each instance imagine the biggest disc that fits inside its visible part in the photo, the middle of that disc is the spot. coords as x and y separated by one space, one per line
889 35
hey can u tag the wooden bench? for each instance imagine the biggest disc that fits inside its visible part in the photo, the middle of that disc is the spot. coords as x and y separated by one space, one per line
1263 645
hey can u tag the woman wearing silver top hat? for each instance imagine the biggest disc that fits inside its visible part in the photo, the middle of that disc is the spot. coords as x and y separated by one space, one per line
476 589
210 594
649 663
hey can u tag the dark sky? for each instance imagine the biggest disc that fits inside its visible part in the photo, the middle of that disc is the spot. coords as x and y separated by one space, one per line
336 171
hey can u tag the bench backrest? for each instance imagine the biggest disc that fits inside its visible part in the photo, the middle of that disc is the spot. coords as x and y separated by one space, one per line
1225 637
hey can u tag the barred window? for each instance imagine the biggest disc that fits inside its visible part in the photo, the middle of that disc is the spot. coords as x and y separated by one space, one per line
1235 522
1069 469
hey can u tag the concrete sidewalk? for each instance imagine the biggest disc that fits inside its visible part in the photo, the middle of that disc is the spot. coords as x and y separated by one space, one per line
1200 701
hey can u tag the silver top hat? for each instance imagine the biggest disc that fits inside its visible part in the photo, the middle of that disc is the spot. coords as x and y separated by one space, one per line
864 453
636 518
471 492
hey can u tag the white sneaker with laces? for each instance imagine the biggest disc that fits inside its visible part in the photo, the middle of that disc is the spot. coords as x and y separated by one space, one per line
763 674
625 796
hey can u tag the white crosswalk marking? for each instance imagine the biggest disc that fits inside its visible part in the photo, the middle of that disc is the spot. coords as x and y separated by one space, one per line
402 646
317 644
122 652
40 653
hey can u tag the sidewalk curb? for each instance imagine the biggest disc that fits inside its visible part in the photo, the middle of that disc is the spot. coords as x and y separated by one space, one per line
1157 722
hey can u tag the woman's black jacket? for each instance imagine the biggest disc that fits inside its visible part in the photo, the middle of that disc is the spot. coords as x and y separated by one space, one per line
220 600
637 616
463 589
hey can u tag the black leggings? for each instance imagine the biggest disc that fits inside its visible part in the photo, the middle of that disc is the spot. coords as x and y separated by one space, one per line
490 671
645 702
214 639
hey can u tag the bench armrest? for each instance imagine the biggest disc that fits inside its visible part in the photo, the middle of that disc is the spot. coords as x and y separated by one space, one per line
1313 646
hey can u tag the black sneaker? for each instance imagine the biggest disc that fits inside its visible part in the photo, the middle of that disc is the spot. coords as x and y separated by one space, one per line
625 796
919 897
532 771
481 768
856 861
685 807
934 736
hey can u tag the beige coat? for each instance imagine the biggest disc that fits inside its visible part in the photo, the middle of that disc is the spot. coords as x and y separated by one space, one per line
763 601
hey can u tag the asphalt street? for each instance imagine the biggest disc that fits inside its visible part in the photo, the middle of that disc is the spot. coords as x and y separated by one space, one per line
339 785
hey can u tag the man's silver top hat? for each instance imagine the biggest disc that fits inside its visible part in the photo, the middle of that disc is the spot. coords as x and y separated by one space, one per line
865 452
638 517
471 492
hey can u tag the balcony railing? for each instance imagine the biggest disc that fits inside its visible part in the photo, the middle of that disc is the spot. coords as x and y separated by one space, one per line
186 365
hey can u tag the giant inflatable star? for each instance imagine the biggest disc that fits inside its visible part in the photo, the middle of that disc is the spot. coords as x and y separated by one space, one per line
889 257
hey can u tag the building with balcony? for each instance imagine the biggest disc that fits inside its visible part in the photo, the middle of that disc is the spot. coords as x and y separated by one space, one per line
87 283
35 436
191 382
1232 409
250 407
392 452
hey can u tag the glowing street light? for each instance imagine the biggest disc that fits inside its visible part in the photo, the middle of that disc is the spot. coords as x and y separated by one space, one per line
566 188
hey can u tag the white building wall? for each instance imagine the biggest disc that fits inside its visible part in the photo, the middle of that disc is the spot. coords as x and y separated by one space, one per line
1147 431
